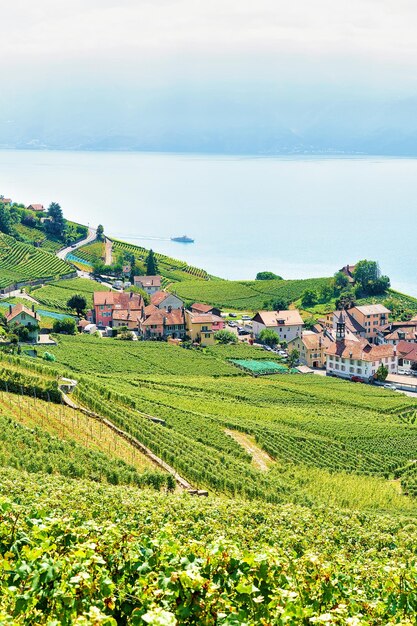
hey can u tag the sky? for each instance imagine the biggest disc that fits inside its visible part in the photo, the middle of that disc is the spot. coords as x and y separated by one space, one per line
267 73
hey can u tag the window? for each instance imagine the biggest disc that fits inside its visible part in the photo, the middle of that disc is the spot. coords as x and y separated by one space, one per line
207 335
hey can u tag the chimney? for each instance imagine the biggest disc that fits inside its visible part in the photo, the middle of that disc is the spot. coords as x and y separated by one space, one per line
33 308
169 309
10 309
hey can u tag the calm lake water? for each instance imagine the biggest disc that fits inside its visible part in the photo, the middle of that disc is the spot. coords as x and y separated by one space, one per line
298 217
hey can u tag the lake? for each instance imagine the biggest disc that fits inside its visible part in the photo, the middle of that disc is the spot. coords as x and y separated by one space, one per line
298 217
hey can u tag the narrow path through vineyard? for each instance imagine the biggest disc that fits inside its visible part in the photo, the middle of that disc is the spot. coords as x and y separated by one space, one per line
260 459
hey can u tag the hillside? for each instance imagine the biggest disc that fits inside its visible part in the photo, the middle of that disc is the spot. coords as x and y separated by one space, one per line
20 262
327 425
324 527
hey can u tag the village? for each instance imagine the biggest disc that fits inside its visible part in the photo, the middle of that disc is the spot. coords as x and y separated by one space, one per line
360 343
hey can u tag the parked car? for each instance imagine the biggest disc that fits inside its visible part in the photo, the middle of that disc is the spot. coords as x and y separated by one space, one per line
242 331
267 348
232 324
282 353
390 386
74 245
246 317
232 315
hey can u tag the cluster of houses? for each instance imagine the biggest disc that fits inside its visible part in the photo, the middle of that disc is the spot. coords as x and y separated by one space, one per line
164 318
350 344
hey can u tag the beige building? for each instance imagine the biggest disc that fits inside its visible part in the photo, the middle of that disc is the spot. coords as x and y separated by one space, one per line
372 318
200 327
312 348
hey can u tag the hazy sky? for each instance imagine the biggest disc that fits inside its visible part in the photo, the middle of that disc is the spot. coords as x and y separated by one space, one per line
247 51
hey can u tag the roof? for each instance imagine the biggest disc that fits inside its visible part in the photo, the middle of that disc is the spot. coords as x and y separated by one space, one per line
21 308
314 341
83 323
171 318
149 309
35 207
360 350
158 297
204 318
407 350
126 315
279 318
201 308
148 281
124 300
6 200
407 333
371 309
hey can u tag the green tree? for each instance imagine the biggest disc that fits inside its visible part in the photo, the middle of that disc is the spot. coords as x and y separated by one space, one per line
293 358
346 301
381 373
267 276
57 223
308 298
100 232
225 336
66 326
280 303
78 303
6 222
368 276
325 293
340 281
268 337
151 264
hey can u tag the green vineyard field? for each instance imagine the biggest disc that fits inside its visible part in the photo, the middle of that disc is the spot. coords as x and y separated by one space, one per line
20 262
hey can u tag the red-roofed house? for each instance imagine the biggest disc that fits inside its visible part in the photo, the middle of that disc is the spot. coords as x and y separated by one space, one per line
407 356
36 207
162 324
359 358
106 303
22 316
199 307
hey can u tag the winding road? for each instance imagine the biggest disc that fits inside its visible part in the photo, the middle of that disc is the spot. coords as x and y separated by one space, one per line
90 237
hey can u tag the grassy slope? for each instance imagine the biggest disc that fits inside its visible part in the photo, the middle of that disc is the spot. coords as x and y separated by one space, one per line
55 295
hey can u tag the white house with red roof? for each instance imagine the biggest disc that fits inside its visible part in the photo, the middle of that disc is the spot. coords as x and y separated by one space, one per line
287 324
357 358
